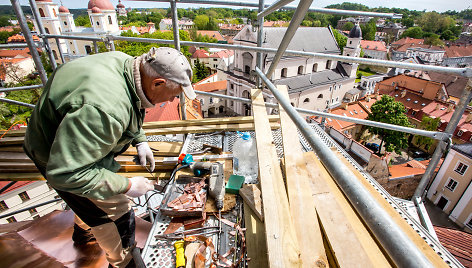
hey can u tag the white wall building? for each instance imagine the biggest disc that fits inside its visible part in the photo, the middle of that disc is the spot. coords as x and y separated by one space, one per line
166 24
313 83
25 194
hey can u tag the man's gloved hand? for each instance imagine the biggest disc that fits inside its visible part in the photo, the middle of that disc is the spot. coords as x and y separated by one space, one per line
145 155
139 186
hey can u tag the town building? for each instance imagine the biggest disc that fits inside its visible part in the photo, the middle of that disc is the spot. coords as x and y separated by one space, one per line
230 29
395 29
59 21
458 56
219 60
121 9
374 49
212 106
359 20
184 24
25 194
451 189
13 70
170 110
149 28
454 84
427 54
314 84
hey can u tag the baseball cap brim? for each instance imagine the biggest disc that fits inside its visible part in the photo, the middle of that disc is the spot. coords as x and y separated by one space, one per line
189 92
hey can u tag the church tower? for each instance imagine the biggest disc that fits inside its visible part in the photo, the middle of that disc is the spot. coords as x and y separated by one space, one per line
353 49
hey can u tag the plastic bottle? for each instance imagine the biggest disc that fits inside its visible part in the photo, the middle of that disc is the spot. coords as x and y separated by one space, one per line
245 158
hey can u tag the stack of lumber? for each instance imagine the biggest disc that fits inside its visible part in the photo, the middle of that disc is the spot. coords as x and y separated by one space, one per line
15 164
305 219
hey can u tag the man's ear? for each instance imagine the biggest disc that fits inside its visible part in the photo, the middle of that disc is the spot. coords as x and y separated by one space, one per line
158 81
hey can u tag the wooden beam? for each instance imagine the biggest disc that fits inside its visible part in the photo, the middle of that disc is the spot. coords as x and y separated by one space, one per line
37 176
432 256
252 198
205 128
282 245
204 122
255 239
165 148
350 241
300 195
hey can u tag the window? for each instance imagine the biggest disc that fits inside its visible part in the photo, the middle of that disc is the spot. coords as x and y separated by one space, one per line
300 69
54 11
328 64
3 206
469 223
11 219
247 69
41 12
211 100
221 109
451 184
201 102
413 113
283 73
307 100
350 42
54 53
330 88
65 22
47 30
98 23
320 96
33 211
461 168
24 196
315 67
88 49
459 133
231 86
109 20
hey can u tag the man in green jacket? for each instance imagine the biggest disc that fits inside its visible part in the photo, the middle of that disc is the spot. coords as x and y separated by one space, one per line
91 110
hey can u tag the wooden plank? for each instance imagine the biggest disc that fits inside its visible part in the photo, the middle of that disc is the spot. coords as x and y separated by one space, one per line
252 198
432 256
282 245
13 148
7 141
206 121
351 243
302 206
255 239
14 157
37 176
205 129
165 148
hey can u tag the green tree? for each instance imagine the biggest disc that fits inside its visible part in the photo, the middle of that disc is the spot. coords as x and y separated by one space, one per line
447 35
348 26
433 39
82 21
368 30
201 22
413 32
427 123
341 39
387 110
4 21
307 23
316 23
199 71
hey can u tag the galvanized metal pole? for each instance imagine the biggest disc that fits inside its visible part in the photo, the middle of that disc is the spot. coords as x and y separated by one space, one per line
3 89
291 30
29 40
95 47
16 102
272 8
441 147
8 46
397 244
260 34
47 47
175 29
61 53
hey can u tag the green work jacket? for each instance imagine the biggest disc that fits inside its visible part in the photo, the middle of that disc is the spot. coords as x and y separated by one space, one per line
88 113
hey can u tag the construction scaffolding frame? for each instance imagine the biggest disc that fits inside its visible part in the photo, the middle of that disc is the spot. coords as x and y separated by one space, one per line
401 249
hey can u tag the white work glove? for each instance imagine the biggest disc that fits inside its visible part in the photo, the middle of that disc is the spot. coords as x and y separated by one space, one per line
139 186
145 154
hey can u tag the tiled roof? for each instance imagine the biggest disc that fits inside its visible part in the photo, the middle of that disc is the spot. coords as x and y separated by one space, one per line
141 30
279 23
15 186
4 64
211 86
428 89
352 110
181 22
200 53
465 149
9 28
408 40
410 169
212 34
373 45
237 27
407 46
168 111
459 243
454 84
20 39
13 53
458 51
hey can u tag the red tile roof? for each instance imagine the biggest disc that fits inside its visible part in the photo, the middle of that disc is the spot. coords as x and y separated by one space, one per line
15 186
211 86
5 63
408 40
201 54
237 27
410 169
212 34
168 111
427 89
9 28
352 110
20 39
404 47
457 242
373 45
454 84
458 51
279 23
12 53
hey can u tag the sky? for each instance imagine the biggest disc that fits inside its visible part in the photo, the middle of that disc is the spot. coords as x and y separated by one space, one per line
429 5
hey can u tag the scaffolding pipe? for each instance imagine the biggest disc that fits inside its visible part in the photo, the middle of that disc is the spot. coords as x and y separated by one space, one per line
437 135
289 33
61 53
16 102
95 47
47 47
442 145
4 89
466 72
7 46
255 5
260 33
30 207
29 40
275 6
397 244
175 30
74 37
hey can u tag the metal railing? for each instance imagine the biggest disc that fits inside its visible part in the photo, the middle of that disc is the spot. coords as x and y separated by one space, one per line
400 248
